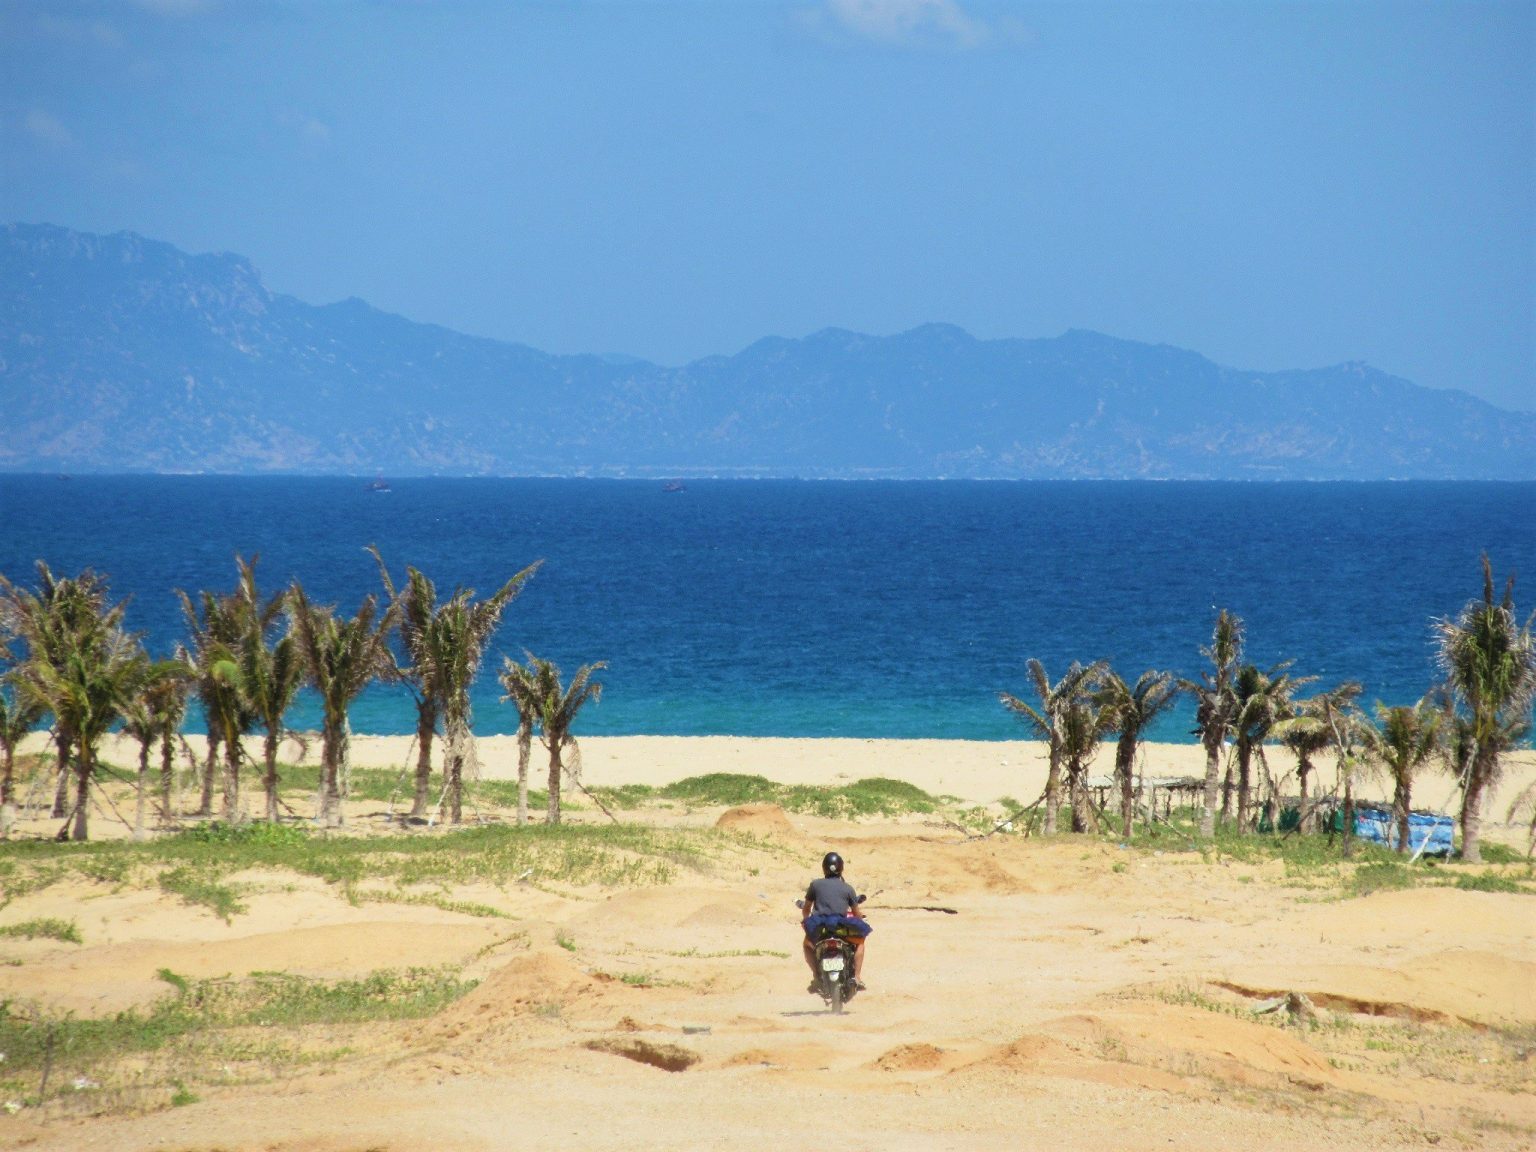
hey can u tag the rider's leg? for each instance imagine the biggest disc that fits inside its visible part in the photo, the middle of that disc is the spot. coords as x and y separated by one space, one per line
809 950
858 955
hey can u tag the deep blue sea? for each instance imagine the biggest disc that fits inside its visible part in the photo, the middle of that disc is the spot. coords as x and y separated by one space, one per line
791 608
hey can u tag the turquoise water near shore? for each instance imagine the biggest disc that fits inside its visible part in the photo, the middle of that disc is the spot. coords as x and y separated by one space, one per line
787 608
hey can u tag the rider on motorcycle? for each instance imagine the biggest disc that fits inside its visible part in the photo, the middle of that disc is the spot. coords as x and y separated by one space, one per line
830 902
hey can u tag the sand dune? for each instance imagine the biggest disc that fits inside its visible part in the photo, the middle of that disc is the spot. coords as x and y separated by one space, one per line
1074 995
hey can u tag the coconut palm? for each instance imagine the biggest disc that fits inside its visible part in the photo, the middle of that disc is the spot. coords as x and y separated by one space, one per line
216 627
88 687
1306 732
521 684
1403 740
1049 720
152 717
1263 700
445 644
1084 721
18 716
267 671
1131 710
558 707
1345 725
1215 705
1489 661
417 606
47 622
341 657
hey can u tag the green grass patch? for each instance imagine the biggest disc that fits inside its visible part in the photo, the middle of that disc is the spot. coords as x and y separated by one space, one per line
876 796
1489 882
196 864
45 928
198 1009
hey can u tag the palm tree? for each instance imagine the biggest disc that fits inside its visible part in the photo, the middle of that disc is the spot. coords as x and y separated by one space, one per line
558 707
341 657
153 716
521 684
266 672
417 603
1405 739
1083 724
1263 700
1216 705
48 623
1131 711
445 645
88 689
1049 721
216 626
18 716
1489 660
1306 732
1345 725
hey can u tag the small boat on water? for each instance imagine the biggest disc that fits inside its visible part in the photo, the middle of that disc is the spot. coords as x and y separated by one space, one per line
673 486
379 485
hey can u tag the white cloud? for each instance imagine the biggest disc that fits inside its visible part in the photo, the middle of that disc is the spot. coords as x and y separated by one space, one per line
911 22
49 129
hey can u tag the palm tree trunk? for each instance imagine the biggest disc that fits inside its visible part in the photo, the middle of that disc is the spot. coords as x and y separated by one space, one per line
210 769
85 764
1053 789
232 751
1401 798
453 768
426 724
332 738
1244 782
1226 792
524 749
1125 759
167 773
7 791
269 778
1303 777
1077 789
555 768
61 793
1349 812
1472 812
1212 782
143 790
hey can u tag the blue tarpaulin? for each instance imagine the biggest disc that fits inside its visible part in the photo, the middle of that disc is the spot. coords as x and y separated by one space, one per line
1376 824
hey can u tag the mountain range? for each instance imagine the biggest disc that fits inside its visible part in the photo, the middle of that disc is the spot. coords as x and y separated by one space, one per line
124 354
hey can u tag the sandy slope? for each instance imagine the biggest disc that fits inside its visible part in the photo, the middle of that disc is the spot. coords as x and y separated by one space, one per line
1079 997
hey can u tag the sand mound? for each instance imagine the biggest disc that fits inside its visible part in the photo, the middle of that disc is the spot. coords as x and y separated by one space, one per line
911 1058
543 981
758 819
1454 986
1194 1043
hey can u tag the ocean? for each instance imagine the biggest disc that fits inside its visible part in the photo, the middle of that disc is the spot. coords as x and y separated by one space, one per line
798 608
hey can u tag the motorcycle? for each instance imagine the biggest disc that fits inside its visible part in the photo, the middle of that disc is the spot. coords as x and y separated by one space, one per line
832 949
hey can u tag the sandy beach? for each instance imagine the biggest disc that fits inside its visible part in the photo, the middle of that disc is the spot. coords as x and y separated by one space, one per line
1023 992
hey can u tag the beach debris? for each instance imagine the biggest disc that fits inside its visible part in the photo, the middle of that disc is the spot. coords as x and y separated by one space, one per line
1297 1006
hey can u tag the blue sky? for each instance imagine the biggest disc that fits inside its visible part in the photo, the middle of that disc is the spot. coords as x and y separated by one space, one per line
1276 185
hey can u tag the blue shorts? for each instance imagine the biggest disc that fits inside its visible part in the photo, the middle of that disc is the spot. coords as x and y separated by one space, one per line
851 925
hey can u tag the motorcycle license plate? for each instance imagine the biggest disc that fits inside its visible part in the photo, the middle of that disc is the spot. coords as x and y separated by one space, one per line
832 964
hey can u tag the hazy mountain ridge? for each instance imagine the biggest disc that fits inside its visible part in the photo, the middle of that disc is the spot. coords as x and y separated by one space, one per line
124 354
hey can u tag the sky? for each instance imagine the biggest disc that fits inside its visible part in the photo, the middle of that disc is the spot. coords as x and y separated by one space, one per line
1274 185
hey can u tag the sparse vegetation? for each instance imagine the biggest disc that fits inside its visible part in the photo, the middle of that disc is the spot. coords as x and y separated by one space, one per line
45 928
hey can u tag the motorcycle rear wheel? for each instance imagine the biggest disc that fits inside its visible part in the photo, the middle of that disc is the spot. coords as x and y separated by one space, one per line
836 990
